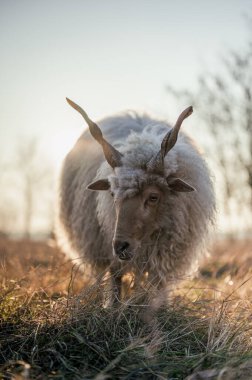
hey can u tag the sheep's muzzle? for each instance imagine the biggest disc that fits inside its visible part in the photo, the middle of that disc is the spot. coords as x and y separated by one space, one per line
122 250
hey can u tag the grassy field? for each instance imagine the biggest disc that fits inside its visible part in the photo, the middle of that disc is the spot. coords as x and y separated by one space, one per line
53 325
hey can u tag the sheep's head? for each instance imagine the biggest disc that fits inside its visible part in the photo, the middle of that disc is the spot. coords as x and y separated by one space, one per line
139 193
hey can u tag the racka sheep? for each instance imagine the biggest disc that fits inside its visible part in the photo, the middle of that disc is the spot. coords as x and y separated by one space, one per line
153 201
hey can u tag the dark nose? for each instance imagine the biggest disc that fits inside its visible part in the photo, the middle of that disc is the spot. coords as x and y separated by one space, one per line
121 247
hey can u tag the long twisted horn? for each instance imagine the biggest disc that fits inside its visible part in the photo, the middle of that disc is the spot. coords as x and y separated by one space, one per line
156 163
112 155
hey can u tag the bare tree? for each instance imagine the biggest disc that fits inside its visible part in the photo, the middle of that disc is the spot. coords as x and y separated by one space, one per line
8 212
35 178
224 102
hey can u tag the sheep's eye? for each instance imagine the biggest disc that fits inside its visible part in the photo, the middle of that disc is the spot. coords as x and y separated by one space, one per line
153 198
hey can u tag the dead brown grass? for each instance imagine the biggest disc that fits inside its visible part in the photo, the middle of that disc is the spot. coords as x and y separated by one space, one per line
229 267
38 266
42 266
53 326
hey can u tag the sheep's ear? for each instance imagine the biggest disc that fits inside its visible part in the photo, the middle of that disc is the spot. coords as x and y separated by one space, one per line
101 184
177 184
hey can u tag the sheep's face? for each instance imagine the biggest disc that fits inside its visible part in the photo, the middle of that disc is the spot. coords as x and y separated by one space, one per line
139 201
137 219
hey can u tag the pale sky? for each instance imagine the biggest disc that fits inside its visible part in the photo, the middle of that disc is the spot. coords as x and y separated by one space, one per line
108 56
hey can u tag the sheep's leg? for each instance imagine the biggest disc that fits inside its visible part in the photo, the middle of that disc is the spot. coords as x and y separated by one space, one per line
113 296
116 280
158 289
157 297
160 298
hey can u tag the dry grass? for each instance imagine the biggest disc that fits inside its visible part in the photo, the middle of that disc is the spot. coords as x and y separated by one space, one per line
49 329
37 266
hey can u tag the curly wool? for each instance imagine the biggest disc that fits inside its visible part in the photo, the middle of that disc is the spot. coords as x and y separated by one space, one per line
86 219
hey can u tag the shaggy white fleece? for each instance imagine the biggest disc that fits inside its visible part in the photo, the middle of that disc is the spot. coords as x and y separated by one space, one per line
86 219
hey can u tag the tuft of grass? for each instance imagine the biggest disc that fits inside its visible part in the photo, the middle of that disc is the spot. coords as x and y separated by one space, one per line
67 338
70 335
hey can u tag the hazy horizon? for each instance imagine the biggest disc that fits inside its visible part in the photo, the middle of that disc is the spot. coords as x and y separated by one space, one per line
108 57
